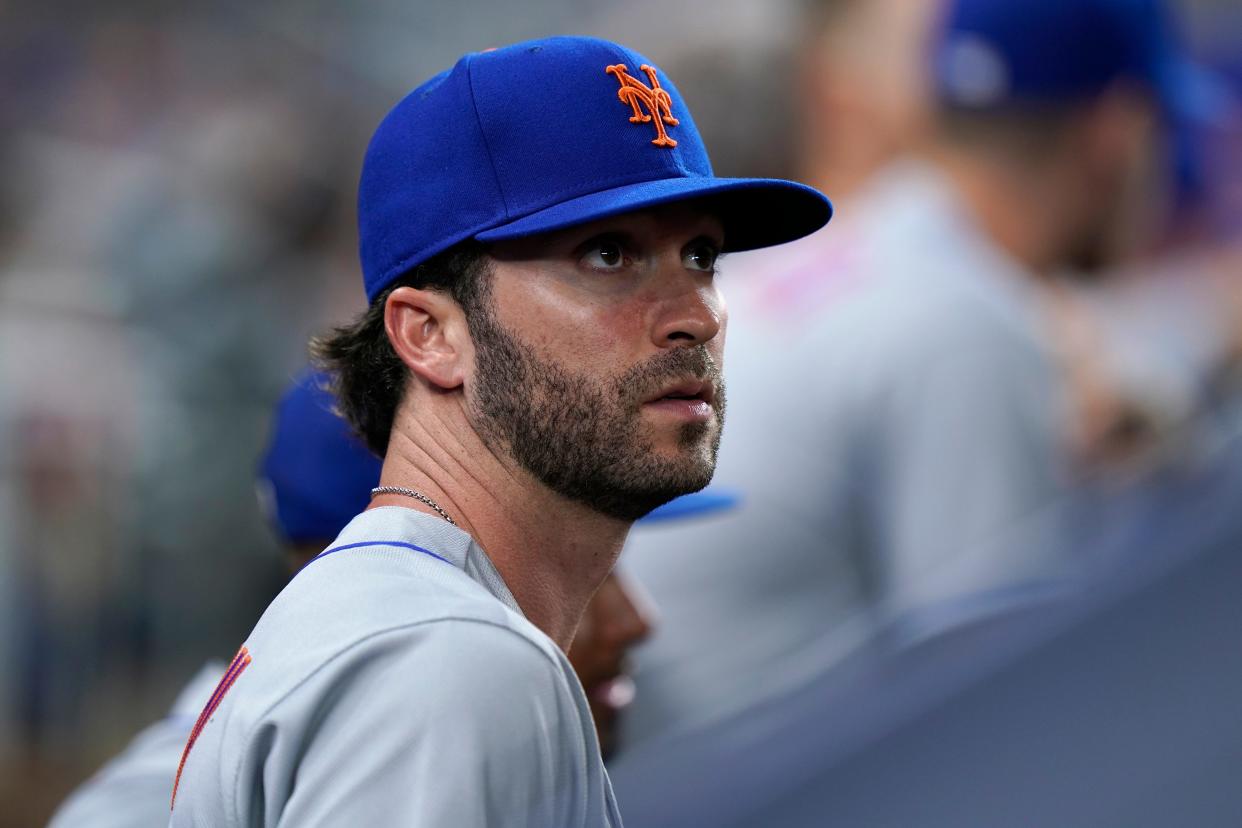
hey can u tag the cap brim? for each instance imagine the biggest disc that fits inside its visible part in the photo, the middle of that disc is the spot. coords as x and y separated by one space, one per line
756 212
695 504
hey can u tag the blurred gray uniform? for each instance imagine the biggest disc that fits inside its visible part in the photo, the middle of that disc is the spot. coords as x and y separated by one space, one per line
132 790
395 681
894 426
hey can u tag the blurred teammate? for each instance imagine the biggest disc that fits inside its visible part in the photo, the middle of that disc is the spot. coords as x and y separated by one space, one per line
901 413
314 478
794 610
945 397
539 366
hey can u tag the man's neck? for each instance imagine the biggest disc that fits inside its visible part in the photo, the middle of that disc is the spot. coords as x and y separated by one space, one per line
552 553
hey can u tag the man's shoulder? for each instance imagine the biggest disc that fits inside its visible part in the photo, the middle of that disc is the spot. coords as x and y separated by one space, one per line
348 605
384 583
370 631
441 662
406 674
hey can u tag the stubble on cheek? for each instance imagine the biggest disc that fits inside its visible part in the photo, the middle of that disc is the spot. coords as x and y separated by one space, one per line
582 436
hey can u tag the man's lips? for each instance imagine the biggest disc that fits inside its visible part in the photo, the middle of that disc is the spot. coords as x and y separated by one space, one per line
684 390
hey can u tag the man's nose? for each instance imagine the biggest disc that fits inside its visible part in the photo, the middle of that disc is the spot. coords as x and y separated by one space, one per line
691 311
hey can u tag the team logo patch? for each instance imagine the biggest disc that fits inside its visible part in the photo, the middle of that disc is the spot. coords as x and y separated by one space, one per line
637 95
239 663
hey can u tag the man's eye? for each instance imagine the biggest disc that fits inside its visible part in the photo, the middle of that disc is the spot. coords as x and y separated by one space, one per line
606 256
701 257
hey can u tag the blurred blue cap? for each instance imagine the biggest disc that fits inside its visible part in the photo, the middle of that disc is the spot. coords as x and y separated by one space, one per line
316 474
1005 53
998 52
541 136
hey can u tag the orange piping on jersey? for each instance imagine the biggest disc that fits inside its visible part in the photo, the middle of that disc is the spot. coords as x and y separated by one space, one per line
240 662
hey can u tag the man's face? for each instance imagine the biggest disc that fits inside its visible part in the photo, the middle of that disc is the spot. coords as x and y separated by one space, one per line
598 358
615 620
1120 169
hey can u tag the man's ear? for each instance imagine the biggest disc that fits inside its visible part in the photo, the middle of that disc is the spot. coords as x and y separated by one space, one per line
428 331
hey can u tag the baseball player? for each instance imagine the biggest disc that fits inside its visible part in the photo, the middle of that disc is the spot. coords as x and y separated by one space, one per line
539 365
314 477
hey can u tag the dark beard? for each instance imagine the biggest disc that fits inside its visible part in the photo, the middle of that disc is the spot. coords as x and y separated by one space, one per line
580 435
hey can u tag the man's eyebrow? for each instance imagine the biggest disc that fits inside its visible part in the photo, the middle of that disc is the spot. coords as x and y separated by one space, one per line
626 237
715 235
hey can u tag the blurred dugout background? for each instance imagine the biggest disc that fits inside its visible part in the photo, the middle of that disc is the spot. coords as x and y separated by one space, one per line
176 193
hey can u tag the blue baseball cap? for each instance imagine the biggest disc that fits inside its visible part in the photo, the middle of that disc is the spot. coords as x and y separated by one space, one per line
991 53
544 135
316 475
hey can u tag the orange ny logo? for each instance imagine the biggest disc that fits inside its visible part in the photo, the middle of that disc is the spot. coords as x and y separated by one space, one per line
658 102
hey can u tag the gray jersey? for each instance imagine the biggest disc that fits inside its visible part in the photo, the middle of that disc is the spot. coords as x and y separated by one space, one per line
132 790
395 681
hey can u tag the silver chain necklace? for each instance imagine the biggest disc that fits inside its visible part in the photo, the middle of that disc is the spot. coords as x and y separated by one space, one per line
401 490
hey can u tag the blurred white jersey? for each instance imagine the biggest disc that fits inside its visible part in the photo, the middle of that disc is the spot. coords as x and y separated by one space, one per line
395 681
132 790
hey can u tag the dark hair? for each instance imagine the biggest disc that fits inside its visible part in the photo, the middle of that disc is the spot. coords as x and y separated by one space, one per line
368 376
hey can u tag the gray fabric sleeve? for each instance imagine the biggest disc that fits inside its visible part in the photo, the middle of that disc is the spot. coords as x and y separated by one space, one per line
133 789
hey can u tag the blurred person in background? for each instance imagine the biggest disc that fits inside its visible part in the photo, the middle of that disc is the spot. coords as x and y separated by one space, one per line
909 404
856 90
1153 346
314 477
